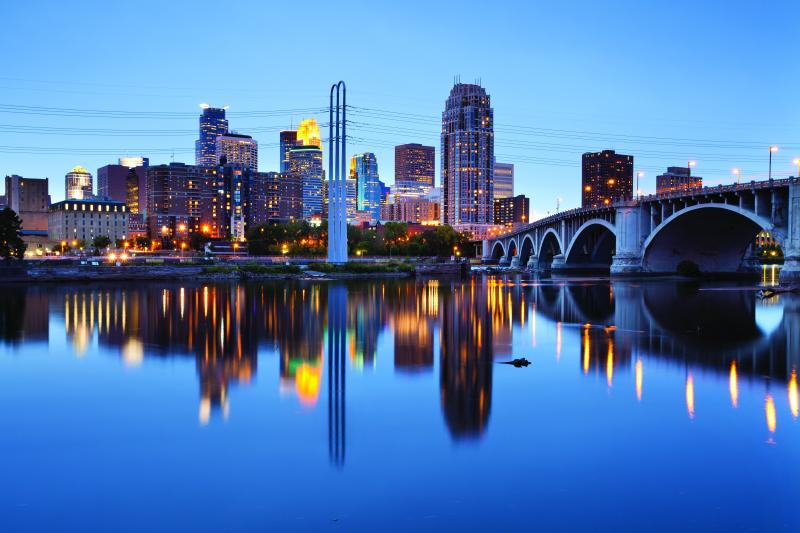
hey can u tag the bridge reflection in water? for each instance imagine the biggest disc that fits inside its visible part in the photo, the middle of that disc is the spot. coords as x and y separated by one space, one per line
618 327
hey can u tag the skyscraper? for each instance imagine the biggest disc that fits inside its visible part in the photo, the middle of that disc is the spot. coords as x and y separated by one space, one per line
364 170
236 149
468 156
134 161
414 170
512 210
306 161
212 125
78 184
308 133
288 140
607 178
503 180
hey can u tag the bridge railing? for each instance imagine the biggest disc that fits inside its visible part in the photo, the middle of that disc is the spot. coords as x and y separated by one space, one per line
735 187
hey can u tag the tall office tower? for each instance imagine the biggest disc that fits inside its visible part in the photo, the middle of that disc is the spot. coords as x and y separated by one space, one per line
180 201
607 178
236 149
468 156
290 197
78 183
212 125
30 199
677 179
308 133
364 170
503 180
133 162
414 170
306 161
288 141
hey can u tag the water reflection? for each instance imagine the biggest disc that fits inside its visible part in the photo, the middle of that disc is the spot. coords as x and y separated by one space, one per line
609 330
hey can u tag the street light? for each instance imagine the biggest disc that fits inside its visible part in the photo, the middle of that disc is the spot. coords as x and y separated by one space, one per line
796 161
772 150
736 172
639 174
689 166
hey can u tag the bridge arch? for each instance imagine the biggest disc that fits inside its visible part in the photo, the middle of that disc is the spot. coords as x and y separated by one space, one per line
511 248
593 244
526 250
549 247
498 251
713 236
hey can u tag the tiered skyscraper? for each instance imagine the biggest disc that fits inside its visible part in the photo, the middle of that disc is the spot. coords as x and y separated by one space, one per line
364 170
212 125
468 156
233 148
288 140
78 184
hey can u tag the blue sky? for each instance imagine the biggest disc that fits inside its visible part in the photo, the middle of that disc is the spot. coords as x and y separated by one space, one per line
716 82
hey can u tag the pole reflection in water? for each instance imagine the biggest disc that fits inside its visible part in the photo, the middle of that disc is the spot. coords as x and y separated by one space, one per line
337 333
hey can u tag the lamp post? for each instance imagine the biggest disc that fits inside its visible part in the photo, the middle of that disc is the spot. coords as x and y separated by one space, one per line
772 150
796 161
736 172
689 166
639 174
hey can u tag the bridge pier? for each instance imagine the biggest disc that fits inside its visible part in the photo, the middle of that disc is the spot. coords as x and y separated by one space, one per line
533 263
515 262
790 273
504 261
628 259
559 263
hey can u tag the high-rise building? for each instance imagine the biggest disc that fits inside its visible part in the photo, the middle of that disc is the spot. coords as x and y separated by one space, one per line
78 183
503 180
364 170
30 199
306 161
233 148
133 162
414 170
511 211
288 140
308 133
180 201
677 179
607 178
468 156
290 197
212 125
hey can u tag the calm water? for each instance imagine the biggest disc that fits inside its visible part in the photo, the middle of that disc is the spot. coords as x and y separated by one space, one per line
383 406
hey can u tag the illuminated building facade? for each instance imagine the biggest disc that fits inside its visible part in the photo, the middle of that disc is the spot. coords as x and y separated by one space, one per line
308 133
306 161
212 124
364 170
79 185
126 184
511 211
677 179
503 180
233 148
288 140
607 177
413 210
468 156
86 219
414 171
30 199
290 197
133 162
180 200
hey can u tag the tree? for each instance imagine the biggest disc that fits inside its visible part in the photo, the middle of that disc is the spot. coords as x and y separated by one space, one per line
11 243
143 242
101 241
197 241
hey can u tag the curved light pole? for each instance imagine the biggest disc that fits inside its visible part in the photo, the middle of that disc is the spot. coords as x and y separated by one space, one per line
337 162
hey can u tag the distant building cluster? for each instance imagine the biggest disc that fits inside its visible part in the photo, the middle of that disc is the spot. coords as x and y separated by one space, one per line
677 179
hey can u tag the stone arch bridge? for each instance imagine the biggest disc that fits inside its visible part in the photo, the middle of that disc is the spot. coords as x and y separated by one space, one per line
713 227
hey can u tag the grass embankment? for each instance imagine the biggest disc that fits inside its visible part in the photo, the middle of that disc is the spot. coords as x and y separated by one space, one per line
252 268
361 268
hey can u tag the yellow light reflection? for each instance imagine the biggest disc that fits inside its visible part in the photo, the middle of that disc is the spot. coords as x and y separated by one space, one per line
794 403
733 385
690 395
769 410
585 350
639 379
610 363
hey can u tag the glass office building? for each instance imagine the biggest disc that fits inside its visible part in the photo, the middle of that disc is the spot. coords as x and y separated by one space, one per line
306 162
212 125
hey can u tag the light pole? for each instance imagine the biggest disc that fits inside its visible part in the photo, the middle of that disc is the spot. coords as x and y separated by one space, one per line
736 172
772 150
689 166
796 161
639 174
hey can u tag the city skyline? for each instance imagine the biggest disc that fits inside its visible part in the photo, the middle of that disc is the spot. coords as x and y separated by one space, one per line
545 118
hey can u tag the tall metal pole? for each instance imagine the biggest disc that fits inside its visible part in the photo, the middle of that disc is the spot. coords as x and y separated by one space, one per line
337 164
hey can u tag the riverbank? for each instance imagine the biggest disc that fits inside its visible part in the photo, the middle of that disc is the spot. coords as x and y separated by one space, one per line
28 273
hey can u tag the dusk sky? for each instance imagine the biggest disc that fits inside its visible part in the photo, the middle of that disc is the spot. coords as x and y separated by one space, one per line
716 83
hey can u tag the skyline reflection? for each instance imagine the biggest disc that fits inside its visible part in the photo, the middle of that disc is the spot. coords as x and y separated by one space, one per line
613 330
